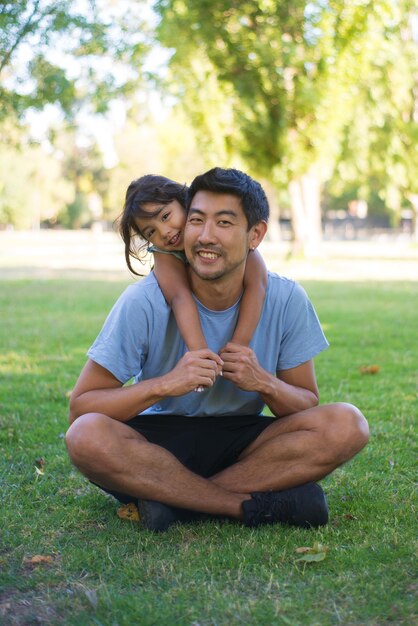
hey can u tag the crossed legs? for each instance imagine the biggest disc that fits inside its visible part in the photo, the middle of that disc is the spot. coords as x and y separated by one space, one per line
292 451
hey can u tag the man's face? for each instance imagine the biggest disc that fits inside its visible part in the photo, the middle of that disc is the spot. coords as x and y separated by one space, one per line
216 239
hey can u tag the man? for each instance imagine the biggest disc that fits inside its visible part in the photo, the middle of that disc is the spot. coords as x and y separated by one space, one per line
182 454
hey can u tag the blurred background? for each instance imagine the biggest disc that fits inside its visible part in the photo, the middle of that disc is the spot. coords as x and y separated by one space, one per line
317 100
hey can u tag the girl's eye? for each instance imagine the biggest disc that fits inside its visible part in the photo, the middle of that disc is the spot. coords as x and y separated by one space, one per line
165 216
150 233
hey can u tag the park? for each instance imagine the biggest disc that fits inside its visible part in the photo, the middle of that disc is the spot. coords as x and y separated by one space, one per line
333 140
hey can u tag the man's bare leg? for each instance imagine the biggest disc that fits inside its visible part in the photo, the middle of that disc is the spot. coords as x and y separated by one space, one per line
294 450
114 456
117 458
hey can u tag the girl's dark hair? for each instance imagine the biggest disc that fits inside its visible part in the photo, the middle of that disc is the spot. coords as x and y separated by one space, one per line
156 189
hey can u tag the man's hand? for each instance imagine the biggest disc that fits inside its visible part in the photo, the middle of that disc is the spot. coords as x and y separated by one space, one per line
197 368
241 366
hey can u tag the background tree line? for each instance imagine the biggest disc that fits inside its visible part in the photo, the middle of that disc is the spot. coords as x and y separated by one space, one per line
318 99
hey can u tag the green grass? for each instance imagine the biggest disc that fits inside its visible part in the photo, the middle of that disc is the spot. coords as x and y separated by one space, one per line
111 572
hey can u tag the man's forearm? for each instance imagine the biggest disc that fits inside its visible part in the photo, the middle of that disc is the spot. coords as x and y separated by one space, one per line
290 391
98 391
283 398
121 403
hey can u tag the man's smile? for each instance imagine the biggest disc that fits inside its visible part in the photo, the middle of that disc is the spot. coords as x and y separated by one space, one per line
209 255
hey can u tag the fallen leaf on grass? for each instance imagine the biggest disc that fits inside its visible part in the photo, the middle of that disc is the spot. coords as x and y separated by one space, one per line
369 369
338 519
129 511
312 557
38 559
39 467
317 553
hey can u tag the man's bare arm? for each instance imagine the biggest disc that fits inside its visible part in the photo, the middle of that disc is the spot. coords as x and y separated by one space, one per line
98 391
290 391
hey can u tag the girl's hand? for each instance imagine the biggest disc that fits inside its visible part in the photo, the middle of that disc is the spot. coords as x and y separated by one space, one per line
195 369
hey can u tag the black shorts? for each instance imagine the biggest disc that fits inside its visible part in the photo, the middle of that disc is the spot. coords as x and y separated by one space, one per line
205 445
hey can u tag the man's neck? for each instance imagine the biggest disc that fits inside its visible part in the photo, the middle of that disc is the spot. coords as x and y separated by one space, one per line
219 294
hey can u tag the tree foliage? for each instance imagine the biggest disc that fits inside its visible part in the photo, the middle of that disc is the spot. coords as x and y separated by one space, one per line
53 185
74 56
32 186
378 150
68 52
300 79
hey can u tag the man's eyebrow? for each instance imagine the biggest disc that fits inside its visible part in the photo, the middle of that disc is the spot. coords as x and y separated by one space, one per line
223 212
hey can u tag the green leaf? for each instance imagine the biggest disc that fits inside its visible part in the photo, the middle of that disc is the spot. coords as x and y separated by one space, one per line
312 557
317 553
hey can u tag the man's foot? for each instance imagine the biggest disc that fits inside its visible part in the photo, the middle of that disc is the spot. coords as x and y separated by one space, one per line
303 506
158 516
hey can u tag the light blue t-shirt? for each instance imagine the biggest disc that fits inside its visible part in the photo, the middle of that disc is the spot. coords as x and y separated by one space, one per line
140 340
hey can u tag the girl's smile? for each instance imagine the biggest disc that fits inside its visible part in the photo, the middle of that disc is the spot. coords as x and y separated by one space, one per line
164 226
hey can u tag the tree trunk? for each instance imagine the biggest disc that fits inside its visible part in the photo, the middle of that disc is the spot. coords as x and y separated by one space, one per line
305 196
274 231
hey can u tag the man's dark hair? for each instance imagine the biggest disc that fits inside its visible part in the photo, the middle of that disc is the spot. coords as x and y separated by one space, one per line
150 188
253 198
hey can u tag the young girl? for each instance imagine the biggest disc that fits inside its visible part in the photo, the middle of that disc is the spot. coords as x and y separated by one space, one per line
155 212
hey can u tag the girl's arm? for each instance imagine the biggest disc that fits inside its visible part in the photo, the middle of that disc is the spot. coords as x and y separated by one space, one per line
174 283
255 284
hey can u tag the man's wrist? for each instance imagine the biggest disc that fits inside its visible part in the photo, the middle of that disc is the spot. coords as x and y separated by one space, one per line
162 387
268 385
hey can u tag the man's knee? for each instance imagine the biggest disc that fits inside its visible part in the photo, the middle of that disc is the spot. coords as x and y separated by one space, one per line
348 431
83 438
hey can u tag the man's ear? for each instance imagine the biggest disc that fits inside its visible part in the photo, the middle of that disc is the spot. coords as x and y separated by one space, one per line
256 234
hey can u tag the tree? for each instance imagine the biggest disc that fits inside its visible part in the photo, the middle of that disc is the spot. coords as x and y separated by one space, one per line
82 164
292 74
74 57
32 186
379 155
69 53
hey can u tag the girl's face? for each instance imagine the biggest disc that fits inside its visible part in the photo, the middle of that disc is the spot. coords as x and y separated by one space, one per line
165 228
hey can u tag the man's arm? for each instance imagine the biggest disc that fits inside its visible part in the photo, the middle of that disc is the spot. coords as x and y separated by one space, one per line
290 391
98 391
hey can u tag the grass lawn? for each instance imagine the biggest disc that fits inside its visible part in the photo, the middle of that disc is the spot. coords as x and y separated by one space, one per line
102 570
